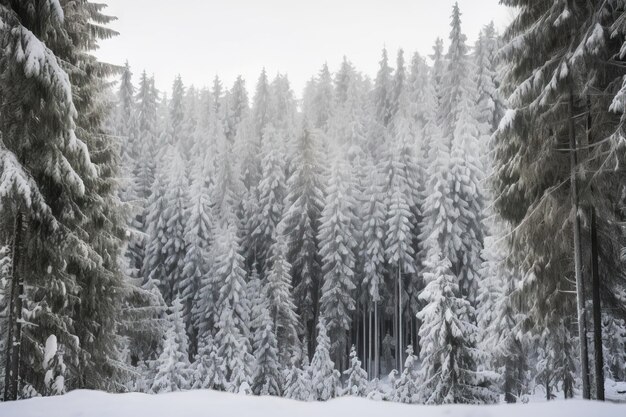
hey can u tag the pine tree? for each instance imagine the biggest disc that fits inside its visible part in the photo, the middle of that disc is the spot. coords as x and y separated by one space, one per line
501 323
383 91
176 112
198 233
167 246
238 108
552 77
303 208
324 376
126 128
406 389
450 359
458 226
231 309
357 382
267 375
438 67
297 384
173 364
402 193
208 370
51 90
338 243
271 192
323 100
281 308
232 352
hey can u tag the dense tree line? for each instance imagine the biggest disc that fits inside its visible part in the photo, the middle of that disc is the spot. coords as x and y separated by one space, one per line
442 233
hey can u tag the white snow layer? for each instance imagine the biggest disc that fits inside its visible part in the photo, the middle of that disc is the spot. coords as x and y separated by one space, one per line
219 404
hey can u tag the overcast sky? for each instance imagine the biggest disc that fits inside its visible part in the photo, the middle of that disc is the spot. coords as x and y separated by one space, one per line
202 38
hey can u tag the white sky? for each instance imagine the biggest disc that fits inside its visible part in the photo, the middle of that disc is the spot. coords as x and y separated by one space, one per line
202 38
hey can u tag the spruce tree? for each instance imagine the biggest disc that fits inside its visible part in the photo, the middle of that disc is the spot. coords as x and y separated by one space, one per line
198 235
450 359
267 379
271 192
173 368
281 308
324 376
303 208
383 91
51 87
406 388
357 382
297 384
338 242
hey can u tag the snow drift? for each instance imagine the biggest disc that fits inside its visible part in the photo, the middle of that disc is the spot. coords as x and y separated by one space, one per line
219 404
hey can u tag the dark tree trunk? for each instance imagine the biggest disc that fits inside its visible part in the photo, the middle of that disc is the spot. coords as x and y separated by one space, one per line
580 288
597 310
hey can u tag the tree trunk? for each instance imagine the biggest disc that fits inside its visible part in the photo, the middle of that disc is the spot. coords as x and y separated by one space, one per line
597 310
580 288
400 328
376 342
395 323
369 343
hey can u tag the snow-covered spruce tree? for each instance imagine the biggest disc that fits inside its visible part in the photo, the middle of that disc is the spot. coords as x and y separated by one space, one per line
398 85
343 78
207 369
500 322
260 104
450 359
271 193
490 104
324 377
383 91
281 308
338 236
558 82
460 131
198 235
356 377
143 173
323 101
372 214
437 70
231 309
407 389
267 379
227 191
237 108
232 352
297 384
47 72
189 126
303 208
283 108
166 247
176 114
145 307
126 128
402 194
173 368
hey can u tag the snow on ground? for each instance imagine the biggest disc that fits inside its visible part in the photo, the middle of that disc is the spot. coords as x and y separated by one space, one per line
218 404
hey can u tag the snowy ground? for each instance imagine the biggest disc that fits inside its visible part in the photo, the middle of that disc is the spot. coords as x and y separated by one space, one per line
217 404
